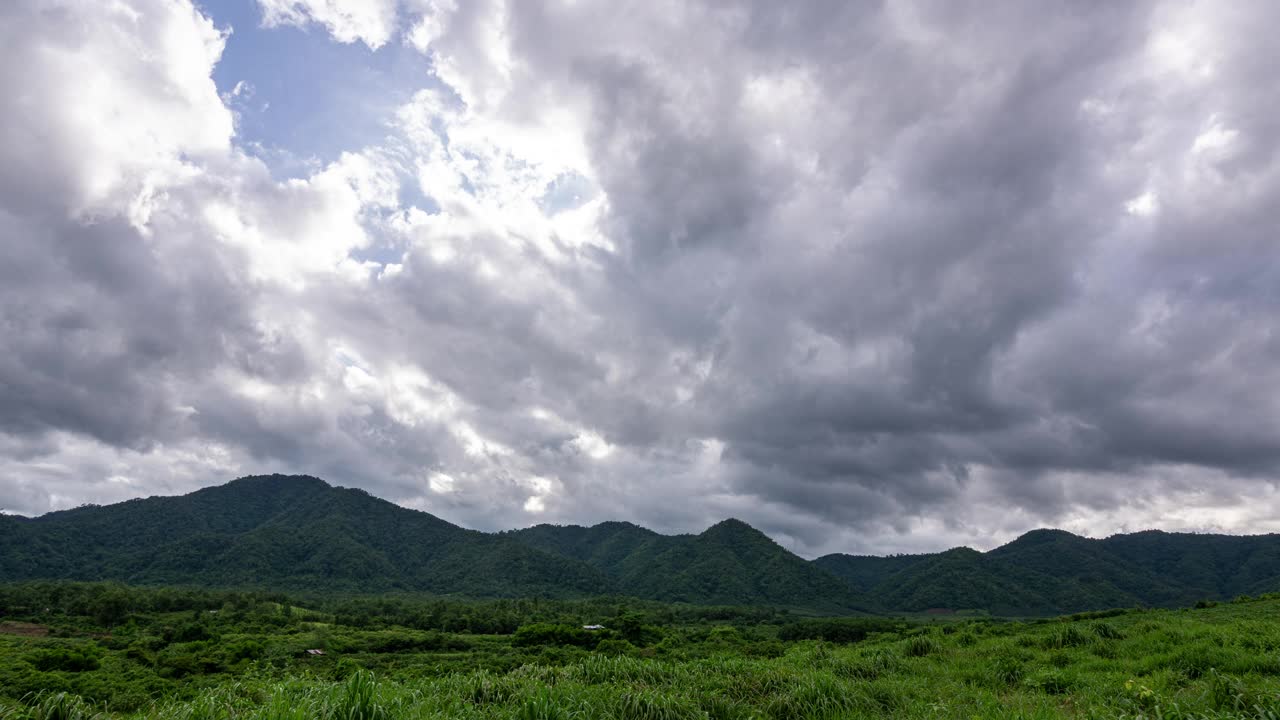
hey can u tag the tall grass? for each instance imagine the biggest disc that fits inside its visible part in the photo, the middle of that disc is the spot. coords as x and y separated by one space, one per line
52 706
1220 663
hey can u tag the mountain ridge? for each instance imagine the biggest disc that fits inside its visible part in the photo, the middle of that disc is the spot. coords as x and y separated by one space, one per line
1048 571
292 532
300 532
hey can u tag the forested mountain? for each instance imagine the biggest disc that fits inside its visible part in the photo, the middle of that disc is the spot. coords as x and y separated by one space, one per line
1053 571
297 532
730 563
282 531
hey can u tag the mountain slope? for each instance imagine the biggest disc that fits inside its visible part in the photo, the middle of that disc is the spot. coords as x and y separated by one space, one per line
283 531
730 563
1208 565
604 546
1053 571
864 572
298 532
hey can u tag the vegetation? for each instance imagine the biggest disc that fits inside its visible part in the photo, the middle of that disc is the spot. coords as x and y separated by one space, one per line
301 535
730 563
99 650
282 532
1048 572
298 533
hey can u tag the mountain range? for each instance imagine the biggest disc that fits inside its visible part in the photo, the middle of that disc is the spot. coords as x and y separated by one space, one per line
298 532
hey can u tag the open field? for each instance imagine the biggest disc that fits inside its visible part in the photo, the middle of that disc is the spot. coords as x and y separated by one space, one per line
1221 661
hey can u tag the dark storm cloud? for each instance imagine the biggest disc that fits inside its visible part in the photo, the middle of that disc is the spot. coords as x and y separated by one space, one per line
974 245
1001 189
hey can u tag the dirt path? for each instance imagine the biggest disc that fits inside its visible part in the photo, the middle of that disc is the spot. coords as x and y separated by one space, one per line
24 629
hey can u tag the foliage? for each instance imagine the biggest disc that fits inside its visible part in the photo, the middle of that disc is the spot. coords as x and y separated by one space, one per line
301 535
1051 572
297 533
247 661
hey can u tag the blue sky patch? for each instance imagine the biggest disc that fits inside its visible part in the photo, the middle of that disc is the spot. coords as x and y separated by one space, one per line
305 97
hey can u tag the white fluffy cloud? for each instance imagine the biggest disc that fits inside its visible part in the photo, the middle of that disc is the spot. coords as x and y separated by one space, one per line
372 22
108 102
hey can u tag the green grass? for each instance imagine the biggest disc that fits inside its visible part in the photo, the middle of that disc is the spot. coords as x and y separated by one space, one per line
1221 662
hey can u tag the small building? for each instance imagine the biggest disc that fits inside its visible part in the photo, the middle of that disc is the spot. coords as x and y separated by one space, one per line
315 651
593 627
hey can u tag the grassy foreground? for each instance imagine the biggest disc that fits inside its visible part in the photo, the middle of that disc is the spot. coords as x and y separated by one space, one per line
1217 662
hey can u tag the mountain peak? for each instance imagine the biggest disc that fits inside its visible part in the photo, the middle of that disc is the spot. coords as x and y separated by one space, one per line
1041 536
962 552
731 526
276 480
737 531
618 525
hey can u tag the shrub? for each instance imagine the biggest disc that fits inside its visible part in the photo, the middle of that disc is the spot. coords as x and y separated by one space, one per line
1007 670
816 697
1050 681
541 634
641 705
1067 637
359 699
919 646
65 659
718 707
59 706
483 688
844 631
1107 631
871 665
542 706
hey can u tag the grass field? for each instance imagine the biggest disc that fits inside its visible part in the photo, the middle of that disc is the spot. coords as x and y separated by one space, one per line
1214 662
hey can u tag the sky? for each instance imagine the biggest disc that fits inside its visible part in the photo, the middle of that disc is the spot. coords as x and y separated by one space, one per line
875 277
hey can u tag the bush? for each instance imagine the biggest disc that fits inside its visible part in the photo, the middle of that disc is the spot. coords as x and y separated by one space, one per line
1107 631
1007 670
1050 681
640 705
815 697
65 659
544 634
615 646
844 631
919 646
392 641
59 706
542 706
1068 637
359 699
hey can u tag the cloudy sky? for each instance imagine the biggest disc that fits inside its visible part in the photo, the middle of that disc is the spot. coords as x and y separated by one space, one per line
872 276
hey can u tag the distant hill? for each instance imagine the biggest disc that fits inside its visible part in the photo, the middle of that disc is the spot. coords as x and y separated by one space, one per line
298 532
1053 571
286 532
730 563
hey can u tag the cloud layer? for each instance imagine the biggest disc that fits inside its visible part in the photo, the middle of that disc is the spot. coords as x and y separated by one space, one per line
873 278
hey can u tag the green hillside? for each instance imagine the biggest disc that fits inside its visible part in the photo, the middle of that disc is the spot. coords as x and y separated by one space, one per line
287 532
299 533
729 563
865 572
1053 571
